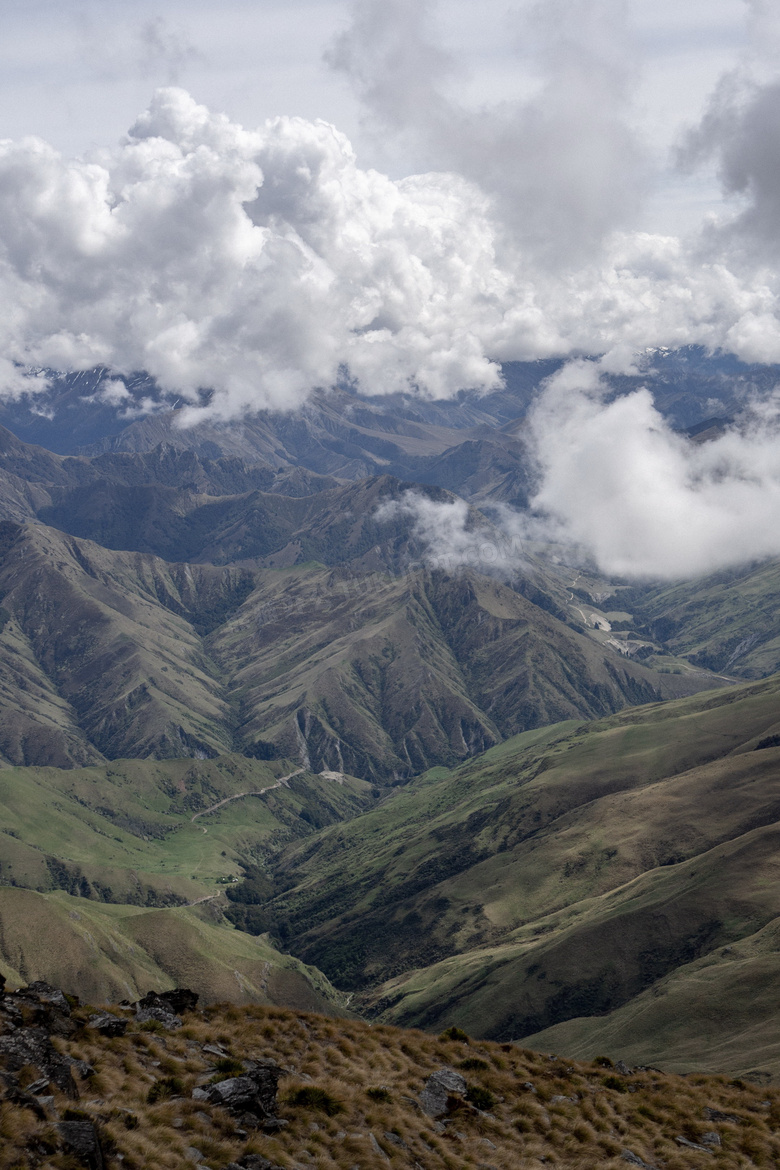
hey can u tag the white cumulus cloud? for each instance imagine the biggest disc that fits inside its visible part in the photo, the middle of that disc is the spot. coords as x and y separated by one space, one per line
259 264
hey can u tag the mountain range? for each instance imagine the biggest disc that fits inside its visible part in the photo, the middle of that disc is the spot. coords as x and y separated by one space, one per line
255 737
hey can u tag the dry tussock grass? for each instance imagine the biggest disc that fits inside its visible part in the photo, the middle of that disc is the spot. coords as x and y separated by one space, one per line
363 1112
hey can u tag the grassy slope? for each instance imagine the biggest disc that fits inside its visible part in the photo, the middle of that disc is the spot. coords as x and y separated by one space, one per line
541 1111
123 832
113 951
728 622
559 876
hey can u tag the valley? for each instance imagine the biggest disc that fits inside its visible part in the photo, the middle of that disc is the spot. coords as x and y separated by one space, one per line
258 739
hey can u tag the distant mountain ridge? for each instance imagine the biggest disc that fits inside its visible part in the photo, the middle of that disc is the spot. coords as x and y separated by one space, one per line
108 654
351 436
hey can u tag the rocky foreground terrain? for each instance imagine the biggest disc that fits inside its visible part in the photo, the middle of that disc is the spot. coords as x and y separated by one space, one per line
160 1083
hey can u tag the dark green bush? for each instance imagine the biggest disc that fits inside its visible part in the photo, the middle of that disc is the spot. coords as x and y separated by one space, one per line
480 1098
454 1033
310 1097
164 1088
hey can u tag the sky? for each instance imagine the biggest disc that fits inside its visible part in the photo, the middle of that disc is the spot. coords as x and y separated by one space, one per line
78 73
259 199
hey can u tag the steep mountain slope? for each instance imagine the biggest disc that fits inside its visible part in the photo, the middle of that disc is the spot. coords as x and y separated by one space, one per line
562 874
383 676
728 622
103 639
109 654
335 526
32 478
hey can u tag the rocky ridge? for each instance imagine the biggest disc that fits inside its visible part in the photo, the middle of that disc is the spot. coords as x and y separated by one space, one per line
161 1083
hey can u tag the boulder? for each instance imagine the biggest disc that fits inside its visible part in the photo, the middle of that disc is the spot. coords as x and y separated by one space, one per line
80 1138
251 1096
682 1141
165 1006
40 1005
718 1115
439 1087
32 1046
179 1000
107 1024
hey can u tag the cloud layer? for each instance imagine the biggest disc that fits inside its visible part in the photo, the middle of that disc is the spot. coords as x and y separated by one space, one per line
260 264
243 268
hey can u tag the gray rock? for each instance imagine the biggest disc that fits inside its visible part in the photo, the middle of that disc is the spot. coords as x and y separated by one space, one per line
33 1046
395 1140
719 1115
635 1160
711 1138
251 1096
238 1094
375 1146
439 1087
623 1069
107 1024
80 1138
160 1014
681 1141
165 1006
48 994
40 1006
39 1086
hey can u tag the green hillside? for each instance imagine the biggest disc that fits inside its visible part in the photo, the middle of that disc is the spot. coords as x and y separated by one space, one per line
729 622
114 878
561 875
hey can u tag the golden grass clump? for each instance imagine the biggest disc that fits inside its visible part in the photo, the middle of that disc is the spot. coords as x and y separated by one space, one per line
350 1097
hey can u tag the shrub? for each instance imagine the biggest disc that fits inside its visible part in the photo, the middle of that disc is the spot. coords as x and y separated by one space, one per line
613 1083
378 1094
480 1098
454 1033
473 1063
310 1097
164 1088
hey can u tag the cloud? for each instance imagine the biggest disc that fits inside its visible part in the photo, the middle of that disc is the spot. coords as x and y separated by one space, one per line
562 168
643 501
455 536
244 268
164 50
619 490
254 264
